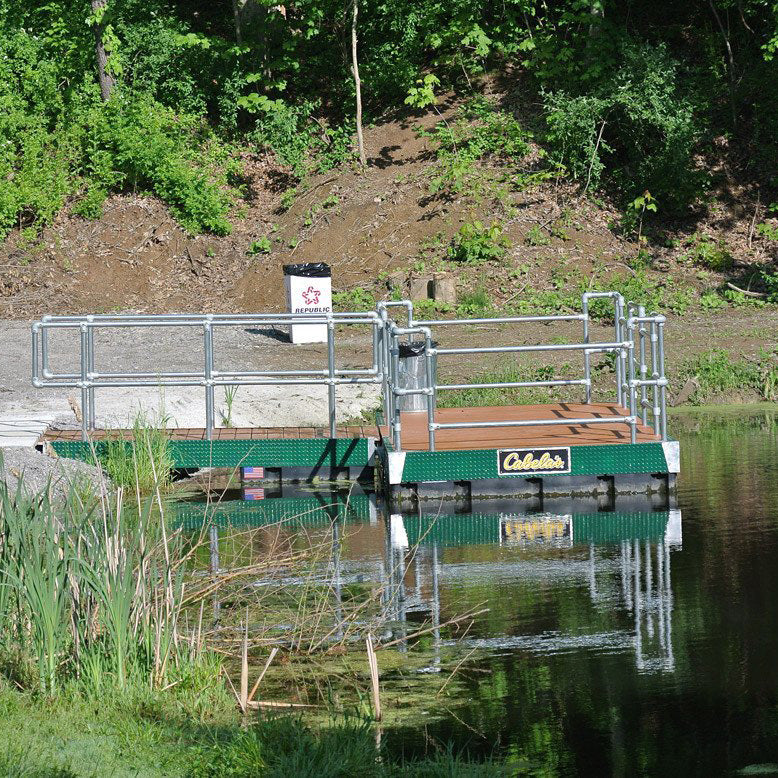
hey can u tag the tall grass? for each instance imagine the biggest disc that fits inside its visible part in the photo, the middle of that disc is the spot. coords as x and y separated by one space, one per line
144 463
85 593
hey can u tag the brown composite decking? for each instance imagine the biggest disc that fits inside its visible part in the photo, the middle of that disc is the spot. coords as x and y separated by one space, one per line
223 433
414 429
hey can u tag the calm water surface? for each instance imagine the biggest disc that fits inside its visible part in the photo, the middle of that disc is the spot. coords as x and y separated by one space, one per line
635 641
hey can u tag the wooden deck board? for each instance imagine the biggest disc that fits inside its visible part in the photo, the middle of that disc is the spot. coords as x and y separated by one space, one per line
414 429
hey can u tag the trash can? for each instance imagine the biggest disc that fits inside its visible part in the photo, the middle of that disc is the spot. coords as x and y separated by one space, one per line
413 373
308 290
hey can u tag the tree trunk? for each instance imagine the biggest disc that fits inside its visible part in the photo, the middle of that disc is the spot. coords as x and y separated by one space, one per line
106 79
236 16
357 84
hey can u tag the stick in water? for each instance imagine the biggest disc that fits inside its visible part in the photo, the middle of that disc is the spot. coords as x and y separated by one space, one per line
373 663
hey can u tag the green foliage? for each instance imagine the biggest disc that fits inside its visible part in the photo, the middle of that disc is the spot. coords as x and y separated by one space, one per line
767 231
480 131
148 464
356 299
717 373
709 253
475 243
536 237
475 303
262 245
633 127
297 140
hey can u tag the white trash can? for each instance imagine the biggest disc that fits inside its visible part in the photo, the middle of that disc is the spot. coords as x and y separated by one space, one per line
308 290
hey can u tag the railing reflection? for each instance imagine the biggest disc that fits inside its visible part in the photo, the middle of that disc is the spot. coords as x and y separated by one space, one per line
621 559
628 552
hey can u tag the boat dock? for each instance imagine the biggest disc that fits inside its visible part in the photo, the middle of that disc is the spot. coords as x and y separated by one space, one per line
418 447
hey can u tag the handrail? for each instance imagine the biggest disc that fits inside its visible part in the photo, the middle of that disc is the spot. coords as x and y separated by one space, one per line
88 378
638 343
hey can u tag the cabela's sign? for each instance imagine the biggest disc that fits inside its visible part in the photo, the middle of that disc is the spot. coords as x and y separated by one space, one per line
533 461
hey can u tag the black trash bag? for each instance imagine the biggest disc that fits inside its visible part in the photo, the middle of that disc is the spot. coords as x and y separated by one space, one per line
309 270
416 348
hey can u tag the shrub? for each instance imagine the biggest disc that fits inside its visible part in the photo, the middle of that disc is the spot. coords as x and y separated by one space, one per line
475 243
635 129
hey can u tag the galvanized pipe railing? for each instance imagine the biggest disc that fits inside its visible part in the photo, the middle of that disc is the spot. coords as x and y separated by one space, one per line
657 383
634 332
88 378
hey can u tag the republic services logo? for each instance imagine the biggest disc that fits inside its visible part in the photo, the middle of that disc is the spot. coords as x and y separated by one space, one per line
311 296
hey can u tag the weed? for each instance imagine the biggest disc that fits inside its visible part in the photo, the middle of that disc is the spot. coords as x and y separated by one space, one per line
288 198
476 303
475 243
229 399
145 463
480 131
356 299
708 253
717 373
536 237
767 231
262 245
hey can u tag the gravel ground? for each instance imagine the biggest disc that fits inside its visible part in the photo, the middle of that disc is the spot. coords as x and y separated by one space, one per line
37 470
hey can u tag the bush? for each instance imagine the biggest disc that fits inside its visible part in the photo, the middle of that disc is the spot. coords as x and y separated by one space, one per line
475 243
644 124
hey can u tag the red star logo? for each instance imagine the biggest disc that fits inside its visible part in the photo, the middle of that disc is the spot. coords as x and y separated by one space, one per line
311 296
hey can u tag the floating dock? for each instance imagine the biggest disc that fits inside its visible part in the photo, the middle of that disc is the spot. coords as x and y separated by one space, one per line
418 447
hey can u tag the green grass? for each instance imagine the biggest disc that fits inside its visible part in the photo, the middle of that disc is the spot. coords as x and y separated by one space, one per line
139 732
145 464
717 373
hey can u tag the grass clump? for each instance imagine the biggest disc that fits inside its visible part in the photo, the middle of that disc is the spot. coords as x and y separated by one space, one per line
144 463
717 373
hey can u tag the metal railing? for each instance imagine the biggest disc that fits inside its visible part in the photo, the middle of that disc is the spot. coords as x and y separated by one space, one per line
88 378
628 346
637 345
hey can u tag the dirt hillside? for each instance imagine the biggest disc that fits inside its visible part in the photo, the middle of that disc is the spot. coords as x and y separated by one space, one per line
370 226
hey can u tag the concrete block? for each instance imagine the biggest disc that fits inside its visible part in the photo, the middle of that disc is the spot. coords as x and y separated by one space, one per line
444 289
420 288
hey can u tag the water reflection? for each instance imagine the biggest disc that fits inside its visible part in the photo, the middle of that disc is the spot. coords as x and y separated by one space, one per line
607 648
633 548
431 564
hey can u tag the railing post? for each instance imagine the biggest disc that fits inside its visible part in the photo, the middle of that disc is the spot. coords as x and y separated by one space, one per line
45 348
84 382
331 375
618 305
209 394
655 377
643 366
394 378
662 387
631 379
90 371
587 355
431 384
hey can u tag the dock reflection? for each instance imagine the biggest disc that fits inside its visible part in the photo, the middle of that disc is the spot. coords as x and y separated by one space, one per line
613 568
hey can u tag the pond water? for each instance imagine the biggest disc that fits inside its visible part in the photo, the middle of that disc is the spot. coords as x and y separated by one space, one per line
640 640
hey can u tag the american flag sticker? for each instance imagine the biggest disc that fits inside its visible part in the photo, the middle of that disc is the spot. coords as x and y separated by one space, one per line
252 473
254 493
